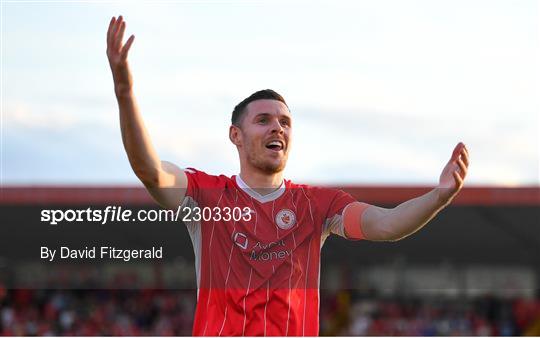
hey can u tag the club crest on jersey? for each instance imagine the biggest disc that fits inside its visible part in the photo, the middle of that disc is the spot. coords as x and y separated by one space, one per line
285 219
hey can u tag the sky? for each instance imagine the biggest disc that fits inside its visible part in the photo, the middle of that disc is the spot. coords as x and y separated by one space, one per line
380 90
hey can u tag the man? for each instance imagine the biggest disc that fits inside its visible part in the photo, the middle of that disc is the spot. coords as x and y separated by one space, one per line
257 248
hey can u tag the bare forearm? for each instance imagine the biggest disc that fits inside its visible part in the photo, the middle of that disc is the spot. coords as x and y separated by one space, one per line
381 224
141 154
412 215
144 160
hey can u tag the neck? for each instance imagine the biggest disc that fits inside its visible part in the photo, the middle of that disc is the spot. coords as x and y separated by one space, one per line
261 182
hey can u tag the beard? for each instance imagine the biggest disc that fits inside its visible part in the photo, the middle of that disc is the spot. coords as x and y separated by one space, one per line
266 166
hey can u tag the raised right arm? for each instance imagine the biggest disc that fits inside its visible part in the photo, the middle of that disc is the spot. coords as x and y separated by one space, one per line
165 181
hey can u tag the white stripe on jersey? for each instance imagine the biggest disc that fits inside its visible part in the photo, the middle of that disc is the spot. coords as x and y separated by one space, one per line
225 317
265 305
305 288
289 301
210 265
256 217
273 217
247 290
229 268
307 267
194 230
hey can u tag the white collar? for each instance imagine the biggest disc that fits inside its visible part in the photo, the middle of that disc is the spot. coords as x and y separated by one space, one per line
261 198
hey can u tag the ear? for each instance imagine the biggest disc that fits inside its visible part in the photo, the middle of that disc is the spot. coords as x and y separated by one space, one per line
235 135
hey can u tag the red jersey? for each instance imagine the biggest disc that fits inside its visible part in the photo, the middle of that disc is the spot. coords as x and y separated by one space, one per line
257 256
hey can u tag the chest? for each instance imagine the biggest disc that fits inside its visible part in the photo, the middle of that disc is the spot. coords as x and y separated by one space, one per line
268 232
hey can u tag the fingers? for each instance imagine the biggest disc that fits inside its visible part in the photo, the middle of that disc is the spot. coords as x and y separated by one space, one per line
459 163
457 150
117 27
115 35
120 34
465 156
462 168
459 180
110 30
117 24
125 49
463 160
463 163
460 151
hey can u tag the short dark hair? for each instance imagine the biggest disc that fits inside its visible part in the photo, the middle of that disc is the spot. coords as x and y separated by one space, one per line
265 94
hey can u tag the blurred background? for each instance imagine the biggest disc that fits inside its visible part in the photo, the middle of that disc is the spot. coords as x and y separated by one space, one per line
380 93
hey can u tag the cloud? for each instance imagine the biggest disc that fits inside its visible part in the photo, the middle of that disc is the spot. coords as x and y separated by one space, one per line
328 147
379 148
381 91
22 115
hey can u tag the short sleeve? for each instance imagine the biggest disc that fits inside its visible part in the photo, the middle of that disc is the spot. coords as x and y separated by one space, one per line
200 185
201 191
334 219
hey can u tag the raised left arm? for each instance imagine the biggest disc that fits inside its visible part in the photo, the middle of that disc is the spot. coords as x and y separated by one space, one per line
381 224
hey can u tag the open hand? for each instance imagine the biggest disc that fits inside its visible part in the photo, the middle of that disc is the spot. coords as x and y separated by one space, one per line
117 53
453 174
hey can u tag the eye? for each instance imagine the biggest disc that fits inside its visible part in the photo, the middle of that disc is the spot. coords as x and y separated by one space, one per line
285 123
263 120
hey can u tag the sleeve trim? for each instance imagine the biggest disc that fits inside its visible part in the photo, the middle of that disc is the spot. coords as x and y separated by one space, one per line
352 219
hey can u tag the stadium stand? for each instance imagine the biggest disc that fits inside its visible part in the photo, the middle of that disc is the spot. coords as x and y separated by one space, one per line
474 270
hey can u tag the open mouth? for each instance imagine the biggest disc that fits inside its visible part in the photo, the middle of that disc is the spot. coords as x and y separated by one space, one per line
275 145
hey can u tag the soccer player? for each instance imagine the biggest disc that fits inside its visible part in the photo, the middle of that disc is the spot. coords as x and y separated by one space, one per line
257 237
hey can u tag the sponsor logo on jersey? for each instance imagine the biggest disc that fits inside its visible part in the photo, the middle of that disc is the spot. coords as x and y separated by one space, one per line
285 219
262 251
269 251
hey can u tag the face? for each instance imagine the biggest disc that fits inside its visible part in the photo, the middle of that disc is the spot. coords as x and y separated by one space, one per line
263 138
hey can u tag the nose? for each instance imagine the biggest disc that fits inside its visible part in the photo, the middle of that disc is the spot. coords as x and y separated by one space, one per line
277 127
